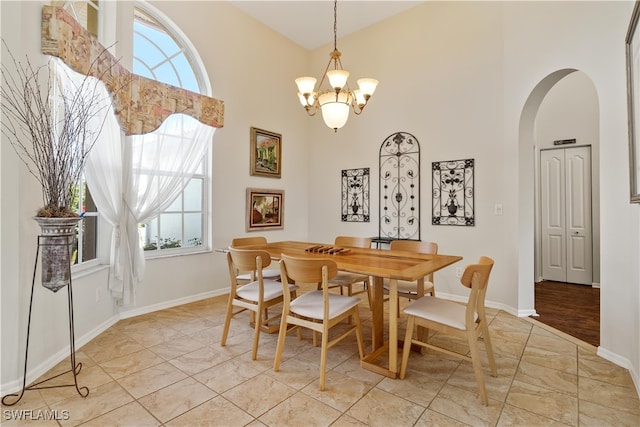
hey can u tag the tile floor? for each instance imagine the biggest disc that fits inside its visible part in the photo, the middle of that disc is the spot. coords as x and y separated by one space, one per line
168 368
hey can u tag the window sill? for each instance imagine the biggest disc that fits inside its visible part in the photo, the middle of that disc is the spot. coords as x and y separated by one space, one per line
84 271
168 253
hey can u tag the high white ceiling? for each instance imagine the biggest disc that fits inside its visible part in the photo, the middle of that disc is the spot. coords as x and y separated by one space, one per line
310 23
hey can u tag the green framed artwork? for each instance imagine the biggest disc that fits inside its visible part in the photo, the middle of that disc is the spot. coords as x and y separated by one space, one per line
266 153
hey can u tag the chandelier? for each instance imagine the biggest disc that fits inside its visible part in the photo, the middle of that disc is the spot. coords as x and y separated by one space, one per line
335 102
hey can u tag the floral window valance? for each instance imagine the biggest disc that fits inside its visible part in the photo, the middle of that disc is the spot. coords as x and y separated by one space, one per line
140 104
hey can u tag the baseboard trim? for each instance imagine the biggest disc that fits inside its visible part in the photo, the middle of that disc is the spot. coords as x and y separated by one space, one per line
43 367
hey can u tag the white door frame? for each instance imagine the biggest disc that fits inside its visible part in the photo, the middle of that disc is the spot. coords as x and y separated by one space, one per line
565 231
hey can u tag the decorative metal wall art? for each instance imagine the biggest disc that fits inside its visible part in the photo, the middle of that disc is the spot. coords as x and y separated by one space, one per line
355 195
399 187
453 193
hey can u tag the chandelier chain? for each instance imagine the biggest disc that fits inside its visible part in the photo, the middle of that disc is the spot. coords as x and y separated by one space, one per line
335 25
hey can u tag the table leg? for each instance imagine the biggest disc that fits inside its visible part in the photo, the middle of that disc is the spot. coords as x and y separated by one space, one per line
393 325
379 346
377 314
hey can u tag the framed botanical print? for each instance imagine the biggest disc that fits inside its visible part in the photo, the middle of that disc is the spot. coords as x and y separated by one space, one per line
266 153
265 209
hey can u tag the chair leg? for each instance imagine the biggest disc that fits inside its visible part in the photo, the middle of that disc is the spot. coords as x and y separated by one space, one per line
256 335
407 346
356 317
422 334
349 293
282 334
477 366
367 284
323 358
227 322
489 348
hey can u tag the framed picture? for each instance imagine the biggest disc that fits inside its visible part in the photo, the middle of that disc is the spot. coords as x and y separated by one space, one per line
633 97
355 195
266 153
265 209
453 193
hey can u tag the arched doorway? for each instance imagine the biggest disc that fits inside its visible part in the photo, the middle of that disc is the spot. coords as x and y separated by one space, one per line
564 105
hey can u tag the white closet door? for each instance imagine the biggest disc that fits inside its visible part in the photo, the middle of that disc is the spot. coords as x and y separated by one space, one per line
554 253
565 176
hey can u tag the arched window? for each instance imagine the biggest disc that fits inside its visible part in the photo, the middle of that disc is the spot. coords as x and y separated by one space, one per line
161 52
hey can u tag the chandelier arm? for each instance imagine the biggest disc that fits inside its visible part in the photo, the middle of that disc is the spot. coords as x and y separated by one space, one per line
324 75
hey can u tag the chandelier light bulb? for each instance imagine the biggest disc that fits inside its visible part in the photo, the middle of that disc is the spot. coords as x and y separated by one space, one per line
337 78
335 109
359 98
306 84
367 86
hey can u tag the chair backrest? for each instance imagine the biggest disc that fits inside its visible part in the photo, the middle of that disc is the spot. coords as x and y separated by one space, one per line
476 277
307 270
414 246
353 242
247 260
248 241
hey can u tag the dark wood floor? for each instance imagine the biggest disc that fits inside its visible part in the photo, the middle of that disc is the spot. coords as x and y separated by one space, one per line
573 309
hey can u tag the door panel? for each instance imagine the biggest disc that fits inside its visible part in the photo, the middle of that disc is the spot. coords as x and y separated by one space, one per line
579 266
565 176
553 216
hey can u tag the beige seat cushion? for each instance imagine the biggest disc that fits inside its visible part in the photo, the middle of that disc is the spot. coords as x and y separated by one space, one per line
439 310
272 289
311 305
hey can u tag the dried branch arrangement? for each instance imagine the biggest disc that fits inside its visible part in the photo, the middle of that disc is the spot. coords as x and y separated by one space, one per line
52 127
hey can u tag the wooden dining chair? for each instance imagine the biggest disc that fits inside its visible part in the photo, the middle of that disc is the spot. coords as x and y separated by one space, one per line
317 310
347 280
256 296
246 277
452 318
417 289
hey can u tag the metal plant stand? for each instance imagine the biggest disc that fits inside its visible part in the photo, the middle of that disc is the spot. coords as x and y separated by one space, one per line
75 367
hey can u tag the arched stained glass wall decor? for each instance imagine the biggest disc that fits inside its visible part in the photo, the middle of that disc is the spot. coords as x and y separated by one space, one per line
399 187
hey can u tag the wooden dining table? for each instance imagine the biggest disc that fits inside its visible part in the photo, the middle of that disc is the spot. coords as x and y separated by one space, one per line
380 264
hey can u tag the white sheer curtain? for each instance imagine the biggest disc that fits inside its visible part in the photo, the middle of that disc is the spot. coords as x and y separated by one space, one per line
160 165
133 179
